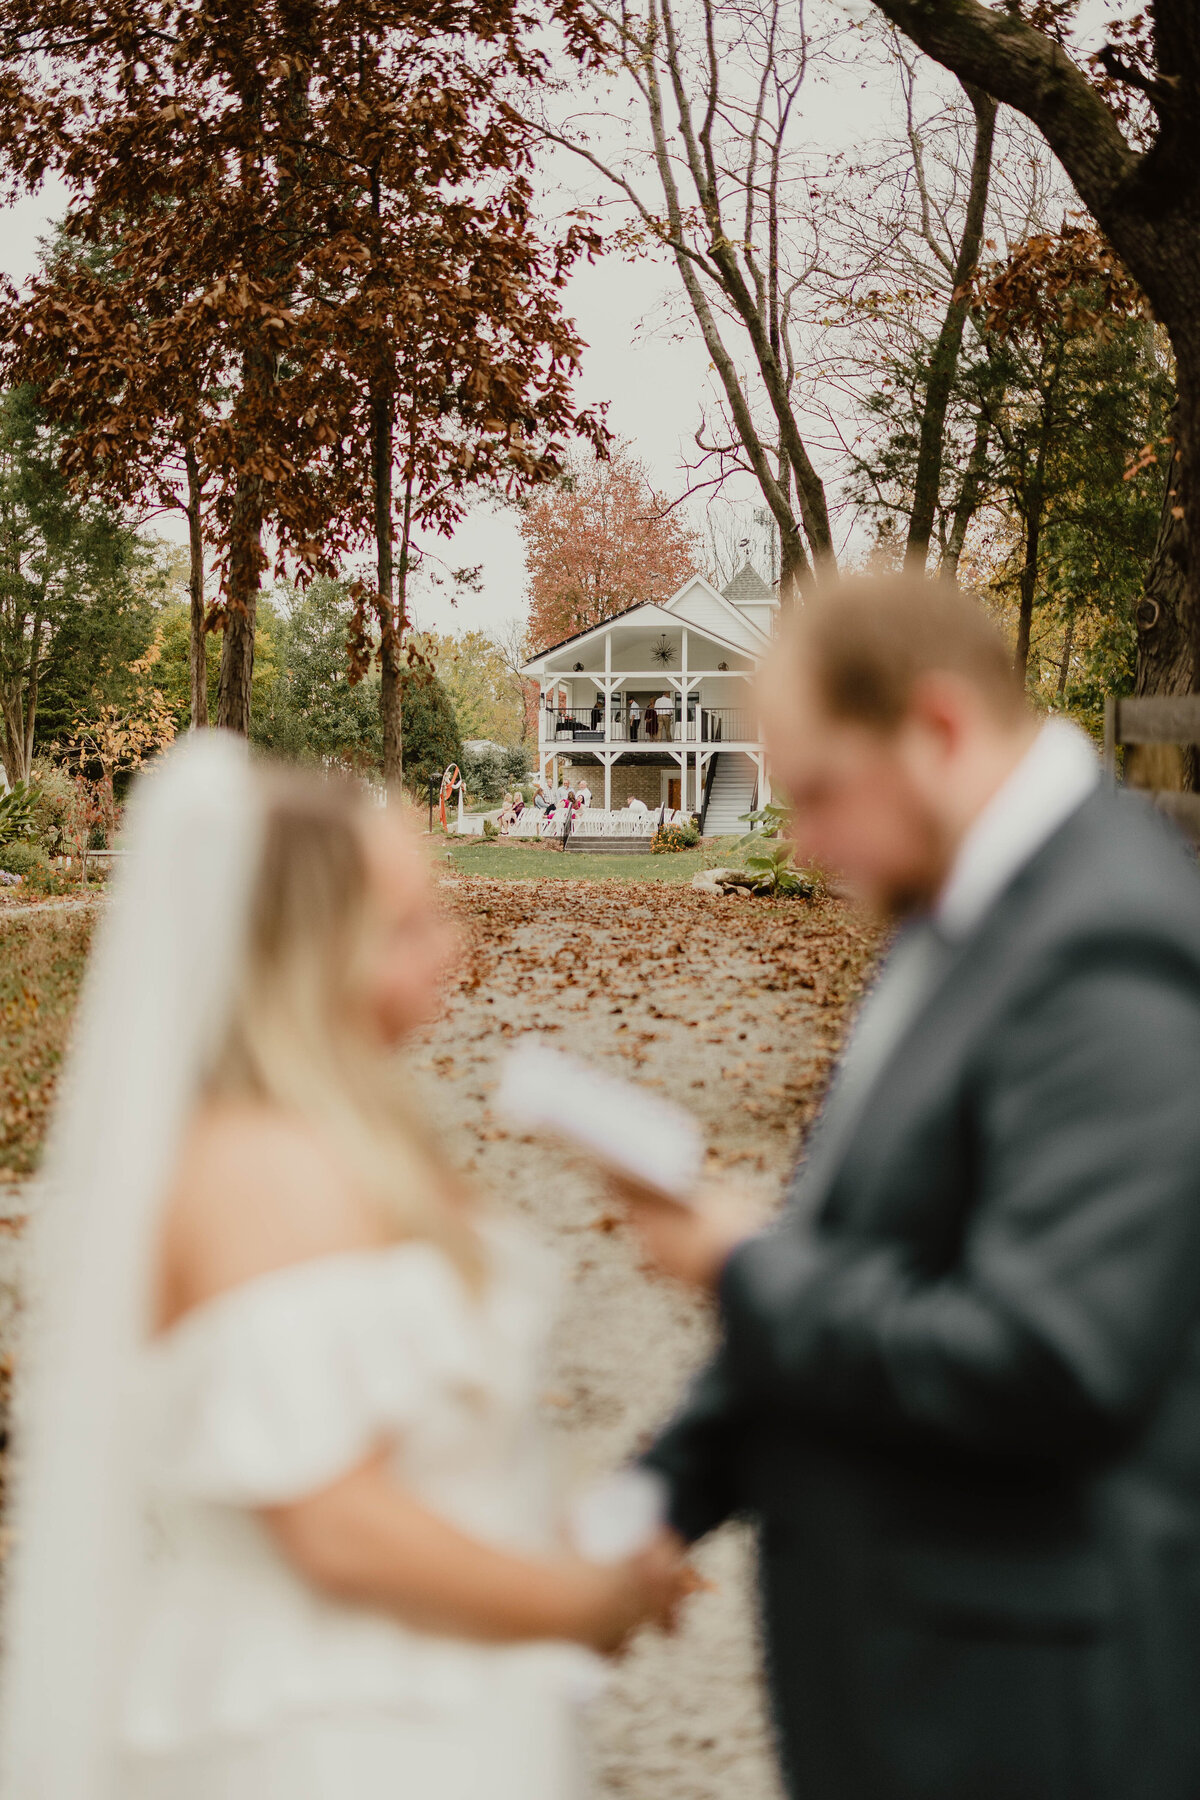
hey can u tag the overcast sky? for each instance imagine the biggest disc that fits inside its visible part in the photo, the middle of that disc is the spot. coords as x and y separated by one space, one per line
652 377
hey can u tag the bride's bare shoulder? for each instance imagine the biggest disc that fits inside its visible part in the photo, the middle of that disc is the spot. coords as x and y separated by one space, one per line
256 1189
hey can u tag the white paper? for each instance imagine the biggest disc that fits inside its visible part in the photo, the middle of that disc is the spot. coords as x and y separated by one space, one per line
630 1131
619 1515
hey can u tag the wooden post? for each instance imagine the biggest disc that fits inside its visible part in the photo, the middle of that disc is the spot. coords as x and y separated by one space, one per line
1110 737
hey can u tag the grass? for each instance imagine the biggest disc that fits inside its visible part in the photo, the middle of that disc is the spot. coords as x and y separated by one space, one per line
537 862
41 962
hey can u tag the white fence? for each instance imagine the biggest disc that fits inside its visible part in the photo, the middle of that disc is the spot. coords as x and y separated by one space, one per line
592 822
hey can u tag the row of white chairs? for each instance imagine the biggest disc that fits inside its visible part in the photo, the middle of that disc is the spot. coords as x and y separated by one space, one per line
593 821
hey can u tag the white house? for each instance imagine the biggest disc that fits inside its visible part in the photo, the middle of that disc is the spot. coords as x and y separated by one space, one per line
654 704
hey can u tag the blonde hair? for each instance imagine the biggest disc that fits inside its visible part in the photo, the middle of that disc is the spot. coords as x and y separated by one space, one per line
294 1042
872 637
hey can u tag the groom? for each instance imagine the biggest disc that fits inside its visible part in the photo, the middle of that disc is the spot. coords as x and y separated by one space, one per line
958 1384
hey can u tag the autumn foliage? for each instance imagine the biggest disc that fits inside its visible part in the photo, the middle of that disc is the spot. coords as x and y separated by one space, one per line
597 542
300 254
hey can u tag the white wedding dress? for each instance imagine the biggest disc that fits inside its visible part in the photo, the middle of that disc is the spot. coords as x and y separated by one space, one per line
245 1683
157 1644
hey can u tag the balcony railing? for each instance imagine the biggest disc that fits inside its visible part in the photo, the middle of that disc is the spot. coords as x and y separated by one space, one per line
704 725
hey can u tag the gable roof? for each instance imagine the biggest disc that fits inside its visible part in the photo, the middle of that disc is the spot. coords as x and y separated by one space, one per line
748 588
548 649
658 615
675 605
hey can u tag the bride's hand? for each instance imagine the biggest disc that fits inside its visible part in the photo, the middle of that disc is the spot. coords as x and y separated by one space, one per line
614 1600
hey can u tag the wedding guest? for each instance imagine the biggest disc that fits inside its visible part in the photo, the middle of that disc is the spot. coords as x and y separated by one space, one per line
635 719
284 1530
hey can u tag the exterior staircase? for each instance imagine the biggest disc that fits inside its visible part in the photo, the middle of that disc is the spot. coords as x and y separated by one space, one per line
731 796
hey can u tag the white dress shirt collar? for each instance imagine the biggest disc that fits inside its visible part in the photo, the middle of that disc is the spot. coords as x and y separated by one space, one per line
1053 778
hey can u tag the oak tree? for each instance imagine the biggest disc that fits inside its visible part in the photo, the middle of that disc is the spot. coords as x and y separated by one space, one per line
1123 125
597 542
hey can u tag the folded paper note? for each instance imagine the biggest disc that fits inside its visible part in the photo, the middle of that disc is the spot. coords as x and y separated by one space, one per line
633 1133
619 1515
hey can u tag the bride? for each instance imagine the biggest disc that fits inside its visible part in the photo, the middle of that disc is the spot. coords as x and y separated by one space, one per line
284 1531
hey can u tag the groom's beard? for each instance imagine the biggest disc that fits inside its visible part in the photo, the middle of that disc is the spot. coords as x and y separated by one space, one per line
913 891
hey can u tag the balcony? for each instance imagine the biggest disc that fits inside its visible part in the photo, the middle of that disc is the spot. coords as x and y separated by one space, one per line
584 725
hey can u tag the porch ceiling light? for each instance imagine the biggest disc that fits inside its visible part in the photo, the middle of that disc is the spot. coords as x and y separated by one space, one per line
664 651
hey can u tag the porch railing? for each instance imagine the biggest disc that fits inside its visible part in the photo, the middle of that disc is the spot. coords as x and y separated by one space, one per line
703 725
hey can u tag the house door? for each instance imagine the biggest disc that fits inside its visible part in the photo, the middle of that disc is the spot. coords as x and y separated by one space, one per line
673 800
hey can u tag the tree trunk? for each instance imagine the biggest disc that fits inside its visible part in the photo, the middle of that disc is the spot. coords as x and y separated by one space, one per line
971 491
197 636
1166 662
1064 667
245 571
391 628
1028 587
943 364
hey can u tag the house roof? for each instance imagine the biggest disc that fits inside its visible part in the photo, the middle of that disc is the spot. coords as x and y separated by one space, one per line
659 616
747 587
588 629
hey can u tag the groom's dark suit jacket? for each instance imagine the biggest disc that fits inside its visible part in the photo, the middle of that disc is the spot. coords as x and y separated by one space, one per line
959 1383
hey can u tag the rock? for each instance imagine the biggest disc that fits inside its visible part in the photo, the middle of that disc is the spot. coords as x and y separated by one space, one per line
724 881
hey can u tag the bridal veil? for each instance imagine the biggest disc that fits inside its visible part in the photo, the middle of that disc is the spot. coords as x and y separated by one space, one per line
167 957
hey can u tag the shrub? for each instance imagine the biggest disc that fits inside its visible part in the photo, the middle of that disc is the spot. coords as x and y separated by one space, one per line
517 763
774 874
52 809
670 838
483 772
40 972
16 811
27 860
490 829
767 821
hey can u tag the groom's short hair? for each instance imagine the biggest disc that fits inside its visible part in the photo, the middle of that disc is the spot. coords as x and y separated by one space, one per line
870 638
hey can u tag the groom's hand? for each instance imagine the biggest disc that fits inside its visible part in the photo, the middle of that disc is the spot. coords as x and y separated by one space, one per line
691 1242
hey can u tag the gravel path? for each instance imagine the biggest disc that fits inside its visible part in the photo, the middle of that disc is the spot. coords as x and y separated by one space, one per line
729 1007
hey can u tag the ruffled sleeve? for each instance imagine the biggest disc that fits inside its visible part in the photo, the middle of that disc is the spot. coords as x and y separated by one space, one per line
277 1388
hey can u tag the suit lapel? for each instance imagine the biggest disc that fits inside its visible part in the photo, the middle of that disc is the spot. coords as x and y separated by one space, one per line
972 979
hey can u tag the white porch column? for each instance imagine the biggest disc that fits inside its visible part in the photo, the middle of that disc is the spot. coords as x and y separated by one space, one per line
608 762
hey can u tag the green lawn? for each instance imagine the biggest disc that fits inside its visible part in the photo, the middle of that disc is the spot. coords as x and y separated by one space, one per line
532 862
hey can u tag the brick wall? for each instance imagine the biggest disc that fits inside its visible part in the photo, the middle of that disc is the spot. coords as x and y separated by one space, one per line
630 781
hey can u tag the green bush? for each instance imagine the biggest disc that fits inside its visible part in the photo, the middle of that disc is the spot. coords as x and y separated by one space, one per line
27 860
767 821
490 828
775 875
669 838
16 811
52 808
